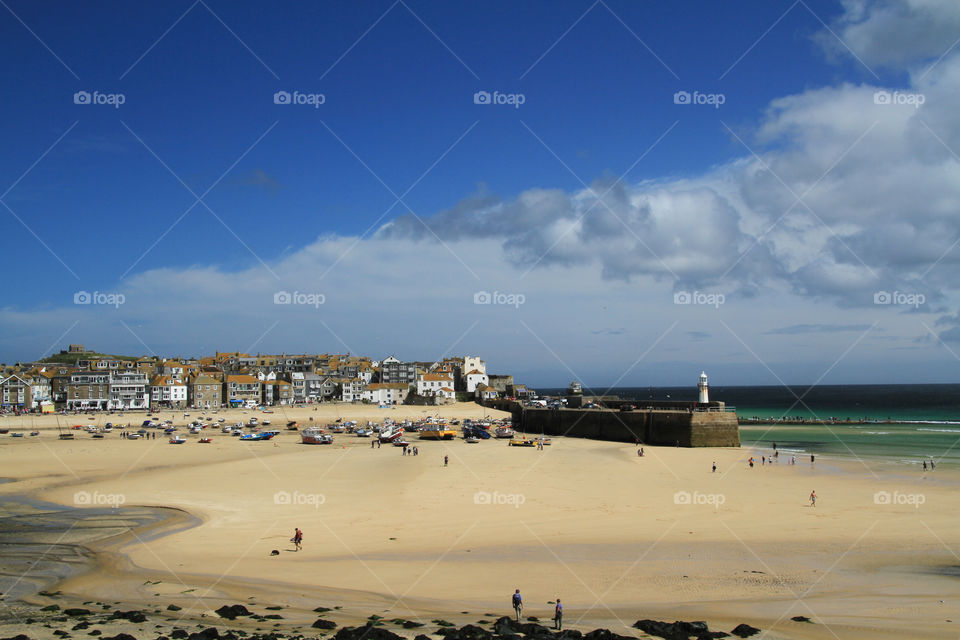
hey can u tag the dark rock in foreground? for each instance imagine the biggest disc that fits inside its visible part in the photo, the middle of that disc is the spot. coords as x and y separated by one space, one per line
366 632
132 616
77 612
744 631
678 630
324 624
232 611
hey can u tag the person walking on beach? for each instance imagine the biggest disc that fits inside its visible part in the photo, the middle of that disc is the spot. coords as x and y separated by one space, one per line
933 465
558 615
517 601
813 498
811 458
714 466
445 460
298 539
751 462
924 465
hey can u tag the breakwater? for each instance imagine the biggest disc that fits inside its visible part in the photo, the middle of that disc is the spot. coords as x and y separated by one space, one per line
670 426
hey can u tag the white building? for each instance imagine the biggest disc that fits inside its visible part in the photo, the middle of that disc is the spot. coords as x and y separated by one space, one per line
430 384
128 390
386 393
471 363
702 387
168 392
473 378
352 390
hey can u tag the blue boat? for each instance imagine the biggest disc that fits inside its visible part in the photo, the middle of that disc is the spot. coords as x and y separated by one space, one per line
266 435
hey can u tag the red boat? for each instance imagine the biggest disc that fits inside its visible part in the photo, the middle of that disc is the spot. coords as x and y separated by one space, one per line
205 440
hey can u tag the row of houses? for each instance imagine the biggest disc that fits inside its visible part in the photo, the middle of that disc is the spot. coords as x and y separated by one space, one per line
238 379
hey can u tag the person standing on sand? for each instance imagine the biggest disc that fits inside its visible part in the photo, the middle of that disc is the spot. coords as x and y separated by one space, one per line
517 601
714 466
298 539
558 615
813 498
445 460
924 465
751 462
811 458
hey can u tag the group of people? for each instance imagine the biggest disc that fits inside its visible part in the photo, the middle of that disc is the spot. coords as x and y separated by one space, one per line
517 601
150 435
297 539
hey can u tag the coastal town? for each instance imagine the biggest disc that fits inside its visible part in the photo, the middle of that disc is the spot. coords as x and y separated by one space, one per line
80 380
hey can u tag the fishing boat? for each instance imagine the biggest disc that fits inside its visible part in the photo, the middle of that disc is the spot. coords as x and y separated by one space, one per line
401 443
205 440
34 433
17 434
363 433
266 435
336 428
195 428
315 435
390 433
177 439
437 432
130 436
503 432
293 425
471 440
266 422
522 442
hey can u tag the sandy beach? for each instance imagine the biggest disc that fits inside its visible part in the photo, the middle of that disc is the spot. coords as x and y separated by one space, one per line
618 537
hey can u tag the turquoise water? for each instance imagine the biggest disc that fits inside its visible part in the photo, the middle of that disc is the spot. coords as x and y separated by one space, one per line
934 411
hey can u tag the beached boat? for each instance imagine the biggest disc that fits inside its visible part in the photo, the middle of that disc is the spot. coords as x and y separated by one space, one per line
34 433
252 422
503 432
522 442
471 440
18 434
363 433
266 435
98 436
391 433
336 428
177 439
131 436
315 435
205 440
437 432
293 425
401 443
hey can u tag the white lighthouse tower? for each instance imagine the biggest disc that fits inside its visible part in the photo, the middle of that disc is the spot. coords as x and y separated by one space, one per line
702 388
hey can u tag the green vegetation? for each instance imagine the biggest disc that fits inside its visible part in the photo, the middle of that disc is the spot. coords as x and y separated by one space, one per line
71 358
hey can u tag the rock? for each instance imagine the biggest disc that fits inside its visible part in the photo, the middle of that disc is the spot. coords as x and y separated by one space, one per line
120 636
61 633
80 626
20 636
322 609
178 634
173 607
210 633
324 624
97 632
410 624
232 611
132 616
744 631
77 612
419 636
569 634
366 632
51 607
800 619
678 630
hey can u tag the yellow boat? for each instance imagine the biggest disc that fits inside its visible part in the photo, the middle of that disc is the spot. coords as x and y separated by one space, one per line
522 442
437 432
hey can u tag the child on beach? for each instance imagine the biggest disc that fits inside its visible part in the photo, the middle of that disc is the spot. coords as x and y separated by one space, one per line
813 498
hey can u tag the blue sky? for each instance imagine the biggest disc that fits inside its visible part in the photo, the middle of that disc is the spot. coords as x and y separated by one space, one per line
597 199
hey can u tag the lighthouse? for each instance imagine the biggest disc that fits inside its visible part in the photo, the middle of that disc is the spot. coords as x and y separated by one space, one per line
702 388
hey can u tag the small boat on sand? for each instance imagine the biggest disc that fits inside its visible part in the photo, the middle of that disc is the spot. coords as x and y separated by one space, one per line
293 425
265 435
315 435
177 439
503 432
522 442
205 440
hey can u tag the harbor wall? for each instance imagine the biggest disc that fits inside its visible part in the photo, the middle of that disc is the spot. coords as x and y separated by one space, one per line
652 427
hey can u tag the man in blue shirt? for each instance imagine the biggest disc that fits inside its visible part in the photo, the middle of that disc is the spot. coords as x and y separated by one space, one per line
558 615
517 603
